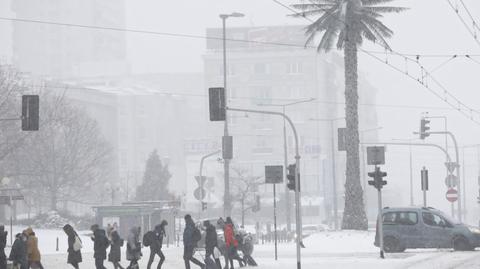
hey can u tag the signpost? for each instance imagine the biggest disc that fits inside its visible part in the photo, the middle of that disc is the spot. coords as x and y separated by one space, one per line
376 156
274 175
424 175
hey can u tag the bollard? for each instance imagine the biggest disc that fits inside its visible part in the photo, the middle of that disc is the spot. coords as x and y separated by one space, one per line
57 245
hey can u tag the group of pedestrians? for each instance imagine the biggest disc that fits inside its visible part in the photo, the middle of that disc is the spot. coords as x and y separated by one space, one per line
214 248
24 253
102 240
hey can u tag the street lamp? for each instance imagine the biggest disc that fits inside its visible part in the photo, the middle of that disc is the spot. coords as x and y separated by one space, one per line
285 151
226 165
334 176
411 164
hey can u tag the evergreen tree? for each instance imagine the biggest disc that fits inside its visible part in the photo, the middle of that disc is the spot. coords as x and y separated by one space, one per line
155 181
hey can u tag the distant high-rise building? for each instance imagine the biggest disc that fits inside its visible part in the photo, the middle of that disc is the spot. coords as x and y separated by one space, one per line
66 51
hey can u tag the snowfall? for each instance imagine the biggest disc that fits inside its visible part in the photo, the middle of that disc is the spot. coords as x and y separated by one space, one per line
342 249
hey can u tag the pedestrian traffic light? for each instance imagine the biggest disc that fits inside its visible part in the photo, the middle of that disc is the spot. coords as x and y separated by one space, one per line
30 112
204 206
217 104
424 128
377 176
291 177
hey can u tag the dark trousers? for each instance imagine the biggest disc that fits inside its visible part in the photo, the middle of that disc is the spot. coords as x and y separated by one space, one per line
75 265
152 257
133 263
3 260
232 254
209 253
35 265
99 263
188 257
117 265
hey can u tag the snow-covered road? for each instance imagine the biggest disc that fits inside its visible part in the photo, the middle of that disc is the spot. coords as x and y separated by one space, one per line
346 249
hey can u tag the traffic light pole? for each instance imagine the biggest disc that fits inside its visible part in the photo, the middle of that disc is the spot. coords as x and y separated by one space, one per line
298 206
457 161
380 222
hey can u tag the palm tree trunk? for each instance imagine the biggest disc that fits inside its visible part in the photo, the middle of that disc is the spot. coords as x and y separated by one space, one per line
354 216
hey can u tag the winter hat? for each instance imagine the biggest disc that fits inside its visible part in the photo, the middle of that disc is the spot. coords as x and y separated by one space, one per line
188 217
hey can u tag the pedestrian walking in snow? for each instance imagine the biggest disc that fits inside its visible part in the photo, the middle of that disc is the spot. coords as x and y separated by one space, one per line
134 247
74 246
211 243
100 245
3 244
33 253
231 244
156 243
18 254
245 245
115 255
191 236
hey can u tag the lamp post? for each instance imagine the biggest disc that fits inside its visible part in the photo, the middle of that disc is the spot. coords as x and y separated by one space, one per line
285 152
411 166
334 176
226 165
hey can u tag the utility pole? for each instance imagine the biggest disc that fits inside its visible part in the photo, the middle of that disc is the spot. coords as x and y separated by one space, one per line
226 164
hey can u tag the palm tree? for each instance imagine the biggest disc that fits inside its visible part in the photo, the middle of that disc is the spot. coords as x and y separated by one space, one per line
348 23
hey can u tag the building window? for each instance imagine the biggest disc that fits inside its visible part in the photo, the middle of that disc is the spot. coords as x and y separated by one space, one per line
261 69
296 92
294 68
231 70
261 95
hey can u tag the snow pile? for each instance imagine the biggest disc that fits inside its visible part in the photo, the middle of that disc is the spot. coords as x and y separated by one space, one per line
50 220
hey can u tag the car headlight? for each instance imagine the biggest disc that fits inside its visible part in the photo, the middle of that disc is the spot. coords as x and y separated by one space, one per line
474 230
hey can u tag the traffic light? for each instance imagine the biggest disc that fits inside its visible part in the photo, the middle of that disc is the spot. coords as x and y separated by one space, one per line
30 112
377 176
291 177
204 206
424 128
217 104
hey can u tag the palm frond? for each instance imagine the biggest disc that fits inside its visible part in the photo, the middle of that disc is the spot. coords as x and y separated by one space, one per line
385 9
312 6
375 2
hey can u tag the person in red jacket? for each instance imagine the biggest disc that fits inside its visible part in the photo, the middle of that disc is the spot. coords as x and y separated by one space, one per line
231 244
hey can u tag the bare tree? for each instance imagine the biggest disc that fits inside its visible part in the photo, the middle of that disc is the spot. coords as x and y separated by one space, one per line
67 158
244 187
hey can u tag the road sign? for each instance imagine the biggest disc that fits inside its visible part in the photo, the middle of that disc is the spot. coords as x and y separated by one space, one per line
451 166
451 181
375 155
273 174
342 134
424 175
199 194
4 200
452 195
201 181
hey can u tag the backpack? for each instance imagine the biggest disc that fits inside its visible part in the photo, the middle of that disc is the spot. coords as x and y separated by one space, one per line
77 244
197 236
148 238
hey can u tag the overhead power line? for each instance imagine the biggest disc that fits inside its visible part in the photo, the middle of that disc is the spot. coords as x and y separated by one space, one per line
472 30
457 104
445 95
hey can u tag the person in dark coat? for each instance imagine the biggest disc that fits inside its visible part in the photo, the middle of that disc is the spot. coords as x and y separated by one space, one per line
3 244
211 242
134 247
18 254
191 236
156 245
115 255
74 255
100 245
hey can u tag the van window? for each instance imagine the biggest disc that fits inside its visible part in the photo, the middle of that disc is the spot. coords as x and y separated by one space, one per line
434 220
400 218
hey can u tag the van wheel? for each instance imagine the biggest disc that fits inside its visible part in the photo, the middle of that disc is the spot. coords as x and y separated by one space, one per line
460 243
392 244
